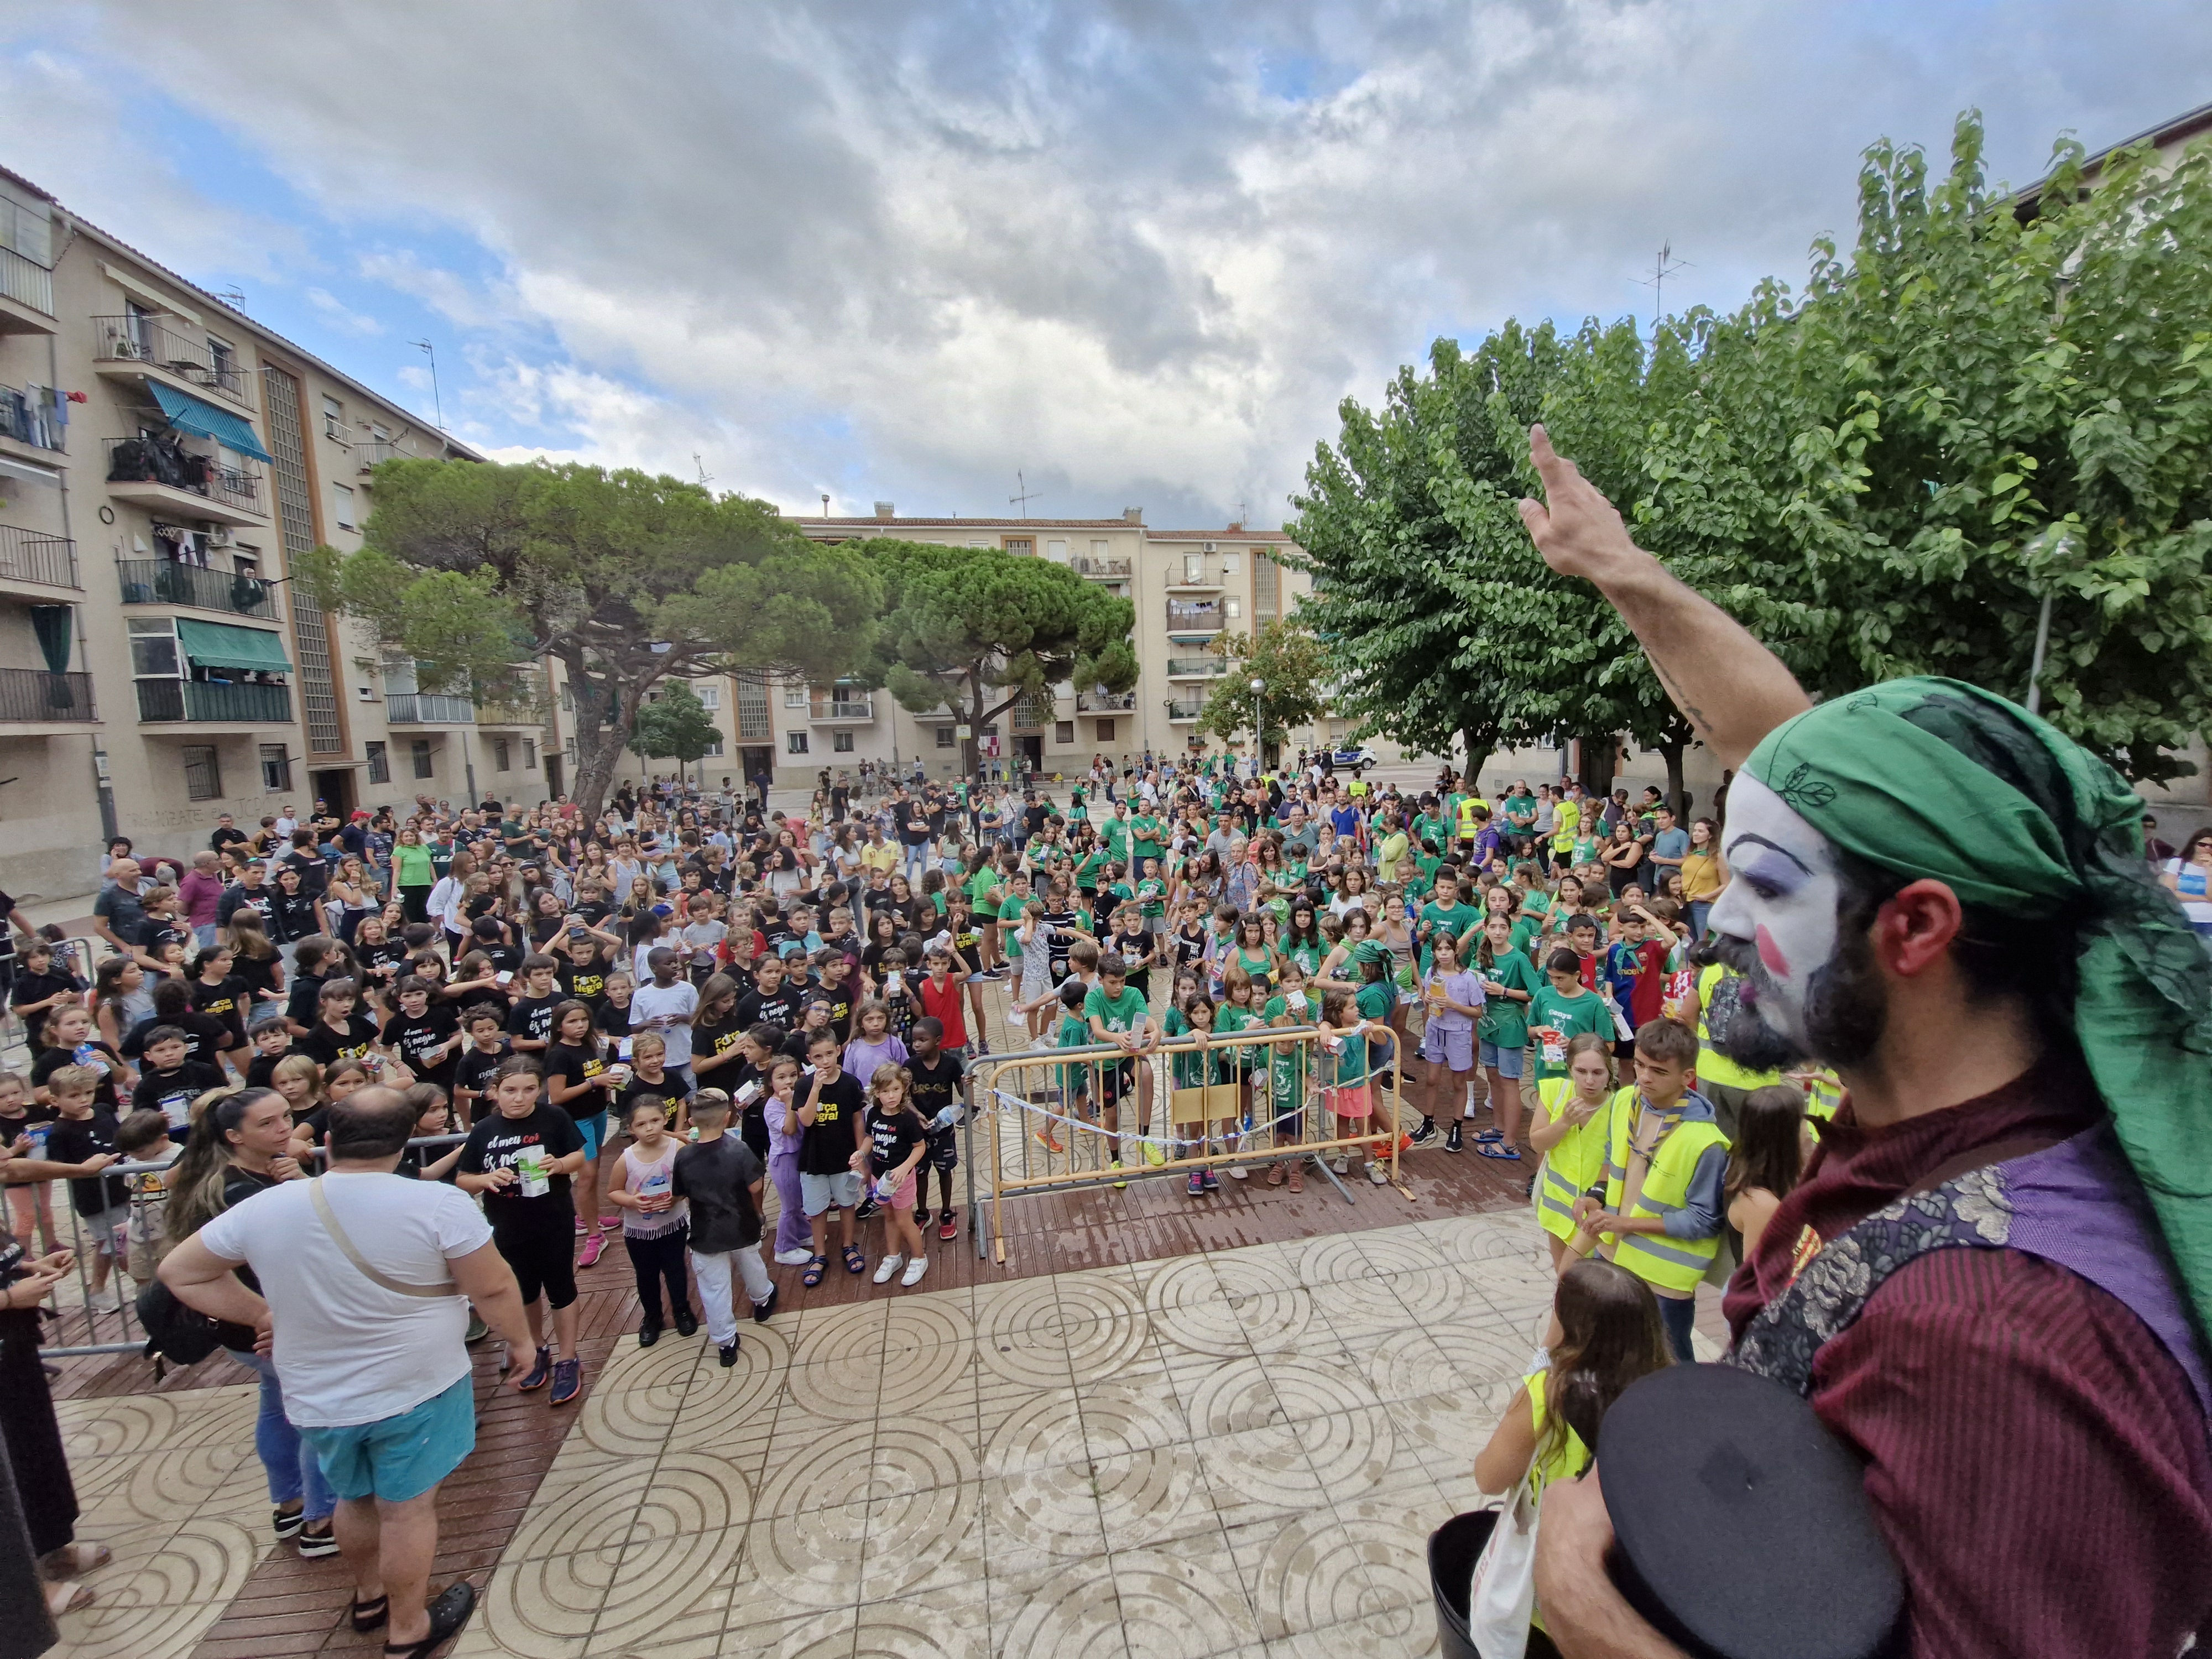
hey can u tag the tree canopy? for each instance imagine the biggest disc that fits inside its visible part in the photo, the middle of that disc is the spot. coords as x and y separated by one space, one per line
1287 655
675 726
1990 401
975 630
629 579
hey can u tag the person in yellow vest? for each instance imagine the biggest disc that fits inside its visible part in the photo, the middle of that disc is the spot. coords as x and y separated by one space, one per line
1666 1169
1720 1080
1572 1127
1471 810
1566 824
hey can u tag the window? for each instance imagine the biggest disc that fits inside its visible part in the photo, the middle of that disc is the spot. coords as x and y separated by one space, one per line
1193 568
1098 546
420 749
794 742
223 358
752 711
1232 564
841 742
334 419
1056 550
944 738
1023 544
794 697
1105 730
979 543
715 747
1063 731
153 647
530 754
379 764
501 759
341 506
275 769
710 697
569 750
1231 608
203 777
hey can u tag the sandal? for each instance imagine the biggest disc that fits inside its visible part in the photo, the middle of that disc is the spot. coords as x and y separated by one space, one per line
449 1611
1497 1151
81 1559
371 1614
816 1267
67 1596
854 1261
1490 1135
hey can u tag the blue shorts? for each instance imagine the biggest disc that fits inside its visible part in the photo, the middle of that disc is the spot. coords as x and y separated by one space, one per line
594 1131
396 1458
1505 1061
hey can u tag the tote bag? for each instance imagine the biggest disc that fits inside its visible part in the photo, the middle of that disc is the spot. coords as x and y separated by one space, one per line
1504 1593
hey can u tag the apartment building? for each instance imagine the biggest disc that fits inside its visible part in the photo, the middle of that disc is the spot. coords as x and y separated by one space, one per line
164 459
1190 588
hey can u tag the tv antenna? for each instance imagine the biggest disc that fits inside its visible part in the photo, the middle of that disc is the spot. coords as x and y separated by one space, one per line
1026 494
1665 265
705 477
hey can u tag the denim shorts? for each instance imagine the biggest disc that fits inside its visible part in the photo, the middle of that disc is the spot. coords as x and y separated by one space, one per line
1507 1061
819 1194
396 1458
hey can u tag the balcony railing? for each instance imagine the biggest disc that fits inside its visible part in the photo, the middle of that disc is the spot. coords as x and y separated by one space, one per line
1204 617
34 694
30 556
1104 570
207 700
1104 703
151 460
28 416
1184 710
153 342
840 708
26 282
368 451
1032 712
164 581
424 708
1191 667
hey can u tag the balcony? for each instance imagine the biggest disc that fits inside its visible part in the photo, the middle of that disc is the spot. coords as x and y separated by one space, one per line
139 346
1178 710
1196 668
1180 581
213 703
27 418
1032 713
159 473
26 295
834 709
1104 703
369 454
1194 620
1104 570
164 581
424 708
33 696
30 556
522 708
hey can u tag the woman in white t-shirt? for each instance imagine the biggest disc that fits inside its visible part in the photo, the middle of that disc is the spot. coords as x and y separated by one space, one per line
2189 878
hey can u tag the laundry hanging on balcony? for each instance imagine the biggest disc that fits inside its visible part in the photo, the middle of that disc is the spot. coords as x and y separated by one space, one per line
219 645
189 414
52 623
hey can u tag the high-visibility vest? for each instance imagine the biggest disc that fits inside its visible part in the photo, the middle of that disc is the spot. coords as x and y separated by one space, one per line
1577 1163
1824 1093
1713 1066
1666 1263
1467 810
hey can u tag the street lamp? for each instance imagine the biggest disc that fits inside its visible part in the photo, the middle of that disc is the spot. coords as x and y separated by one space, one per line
1258 731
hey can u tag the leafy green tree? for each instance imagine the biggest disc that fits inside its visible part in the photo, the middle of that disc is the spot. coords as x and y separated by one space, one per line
630 580
1287 655
974 631
675 726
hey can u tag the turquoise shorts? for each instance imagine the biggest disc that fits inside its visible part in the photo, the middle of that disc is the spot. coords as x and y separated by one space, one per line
396 1458
594 1131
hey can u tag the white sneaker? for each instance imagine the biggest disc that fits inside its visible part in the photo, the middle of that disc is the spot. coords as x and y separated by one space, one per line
889 1266
1378 1174
1342 1166
1237 1172
914 1270
793 1258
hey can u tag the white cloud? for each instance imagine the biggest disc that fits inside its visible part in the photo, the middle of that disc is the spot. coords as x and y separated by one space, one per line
898 251
338 314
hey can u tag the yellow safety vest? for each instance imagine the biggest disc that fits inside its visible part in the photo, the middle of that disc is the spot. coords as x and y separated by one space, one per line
1712 1065
1578 1162
1467 806
1824 1093
1665 1263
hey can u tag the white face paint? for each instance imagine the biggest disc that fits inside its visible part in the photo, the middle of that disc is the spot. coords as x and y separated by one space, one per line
1781 899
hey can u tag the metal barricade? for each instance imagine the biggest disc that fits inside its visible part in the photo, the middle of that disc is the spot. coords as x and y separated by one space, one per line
1036 1119
102 1318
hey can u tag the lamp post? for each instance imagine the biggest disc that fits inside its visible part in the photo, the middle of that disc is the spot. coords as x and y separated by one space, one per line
1259 731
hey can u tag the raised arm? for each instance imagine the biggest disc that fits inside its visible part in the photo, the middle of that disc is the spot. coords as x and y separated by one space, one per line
1731 689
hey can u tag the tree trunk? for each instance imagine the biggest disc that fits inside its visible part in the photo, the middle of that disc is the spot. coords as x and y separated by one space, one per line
1599 756
599 743
1478 753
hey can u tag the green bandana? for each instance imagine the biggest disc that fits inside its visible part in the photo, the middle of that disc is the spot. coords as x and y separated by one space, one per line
1937 779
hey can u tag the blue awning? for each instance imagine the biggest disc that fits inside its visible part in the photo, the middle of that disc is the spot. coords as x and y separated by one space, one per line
189 414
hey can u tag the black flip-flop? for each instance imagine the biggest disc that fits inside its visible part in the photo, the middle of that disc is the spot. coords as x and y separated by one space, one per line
372 1615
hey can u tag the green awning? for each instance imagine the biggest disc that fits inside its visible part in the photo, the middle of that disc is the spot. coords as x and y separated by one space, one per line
219 645
189 414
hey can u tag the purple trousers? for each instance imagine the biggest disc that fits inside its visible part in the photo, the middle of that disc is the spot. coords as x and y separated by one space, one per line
791 1231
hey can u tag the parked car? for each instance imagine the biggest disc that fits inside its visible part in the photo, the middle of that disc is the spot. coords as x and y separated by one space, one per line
1348 757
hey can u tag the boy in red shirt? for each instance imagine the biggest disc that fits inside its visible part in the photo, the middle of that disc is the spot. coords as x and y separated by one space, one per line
942 997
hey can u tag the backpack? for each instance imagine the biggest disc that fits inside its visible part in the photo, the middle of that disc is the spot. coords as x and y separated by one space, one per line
182 1336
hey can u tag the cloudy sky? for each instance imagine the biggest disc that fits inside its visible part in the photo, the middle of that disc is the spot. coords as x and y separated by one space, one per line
891 249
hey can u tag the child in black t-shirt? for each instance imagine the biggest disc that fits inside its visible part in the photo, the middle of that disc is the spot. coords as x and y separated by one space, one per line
933 1079
171 1081
25 1124
893 1141
425 1033
83 1137
485 1027
272 1041
338 1033
530 1022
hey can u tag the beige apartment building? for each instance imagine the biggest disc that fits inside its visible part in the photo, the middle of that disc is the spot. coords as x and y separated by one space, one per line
1190 588
164 459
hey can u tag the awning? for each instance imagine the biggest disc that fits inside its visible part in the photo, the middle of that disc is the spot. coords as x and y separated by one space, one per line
219 645
30 470
189 414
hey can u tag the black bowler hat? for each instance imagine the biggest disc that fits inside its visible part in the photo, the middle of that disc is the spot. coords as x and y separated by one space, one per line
1741 1525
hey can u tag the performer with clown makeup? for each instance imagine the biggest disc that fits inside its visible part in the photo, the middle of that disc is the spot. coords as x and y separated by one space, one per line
1994 1283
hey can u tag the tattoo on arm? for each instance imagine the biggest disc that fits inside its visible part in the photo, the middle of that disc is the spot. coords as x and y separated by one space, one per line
1696 716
